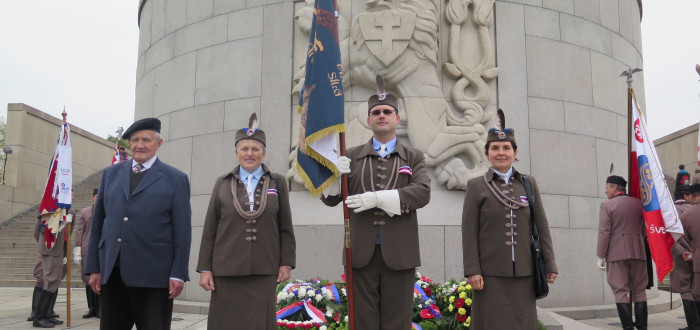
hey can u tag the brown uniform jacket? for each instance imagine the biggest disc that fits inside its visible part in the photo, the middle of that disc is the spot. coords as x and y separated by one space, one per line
621 229
691 225
399 234
485 231
233 246
82 234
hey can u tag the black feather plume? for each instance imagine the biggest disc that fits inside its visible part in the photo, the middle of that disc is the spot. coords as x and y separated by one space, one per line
612 166
253 122
380 85
501 124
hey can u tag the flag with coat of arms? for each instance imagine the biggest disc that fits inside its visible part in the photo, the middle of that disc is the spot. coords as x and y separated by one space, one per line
647 183
321 103
57 198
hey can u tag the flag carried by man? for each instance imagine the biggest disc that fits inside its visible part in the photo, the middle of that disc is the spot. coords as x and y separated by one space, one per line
647 183
57 198
321 102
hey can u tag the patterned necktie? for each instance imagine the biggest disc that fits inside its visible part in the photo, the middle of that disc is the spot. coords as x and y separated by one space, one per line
249 188
382 150
137 168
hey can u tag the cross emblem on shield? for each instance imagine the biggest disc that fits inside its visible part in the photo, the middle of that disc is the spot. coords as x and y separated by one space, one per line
387 33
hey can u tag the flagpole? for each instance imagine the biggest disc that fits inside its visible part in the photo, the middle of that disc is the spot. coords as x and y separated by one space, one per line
348 250
68 249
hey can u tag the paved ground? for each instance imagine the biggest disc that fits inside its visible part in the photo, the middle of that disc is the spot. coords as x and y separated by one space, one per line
15 305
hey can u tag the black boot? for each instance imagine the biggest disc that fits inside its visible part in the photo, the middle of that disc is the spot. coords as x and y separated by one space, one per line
43 308
640 314
92 312
625 312
691 315
53 319
35 300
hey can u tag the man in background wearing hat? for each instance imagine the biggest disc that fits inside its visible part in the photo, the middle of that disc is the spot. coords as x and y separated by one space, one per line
691 224
139 244
621 245
682 273
387 183
82 236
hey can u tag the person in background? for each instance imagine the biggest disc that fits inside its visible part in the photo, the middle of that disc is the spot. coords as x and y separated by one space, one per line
82 237
682 273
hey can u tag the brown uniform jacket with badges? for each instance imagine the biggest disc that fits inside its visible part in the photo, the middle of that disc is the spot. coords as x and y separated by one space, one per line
484 220
233 246
691 223
399 234
621 229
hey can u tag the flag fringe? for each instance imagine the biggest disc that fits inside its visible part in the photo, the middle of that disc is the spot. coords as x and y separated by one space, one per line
315 192
336 129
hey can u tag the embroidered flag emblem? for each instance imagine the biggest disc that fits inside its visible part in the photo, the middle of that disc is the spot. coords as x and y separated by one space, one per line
272 192
405 170
523 199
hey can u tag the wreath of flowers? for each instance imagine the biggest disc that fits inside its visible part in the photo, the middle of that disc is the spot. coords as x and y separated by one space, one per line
322 305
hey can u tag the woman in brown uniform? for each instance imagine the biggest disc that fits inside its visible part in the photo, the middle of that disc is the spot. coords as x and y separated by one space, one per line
496 238
248 243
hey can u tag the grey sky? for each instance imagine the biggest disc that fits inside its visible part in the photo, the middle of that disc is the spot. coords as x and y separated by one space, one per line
82 54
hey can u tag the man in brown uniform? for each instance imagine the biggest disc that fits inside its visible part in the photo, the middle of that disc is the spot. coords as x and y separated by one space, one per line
682 274
621 245
691 224
387 183
82 237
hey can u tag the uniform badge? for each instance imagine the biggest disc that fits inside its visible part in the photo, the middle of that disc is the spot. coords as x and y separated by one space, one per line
381 97
501 135
250 132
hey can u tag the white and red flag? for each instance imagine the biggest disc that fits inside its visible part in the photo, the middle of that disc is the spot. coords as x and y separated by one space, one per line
115 153
647 183
57 198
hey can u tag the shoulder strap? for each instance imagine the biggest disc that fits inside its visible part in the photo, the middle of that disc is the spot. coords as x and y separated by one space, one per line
531 201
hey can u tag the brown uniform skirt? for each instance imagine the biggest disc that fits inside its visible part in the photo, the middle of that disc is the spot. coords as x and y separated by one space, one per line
505 303
243 302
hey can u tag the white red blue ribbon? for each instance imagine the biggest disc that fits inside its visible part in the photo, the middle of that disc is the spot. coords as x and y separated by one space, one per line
405 170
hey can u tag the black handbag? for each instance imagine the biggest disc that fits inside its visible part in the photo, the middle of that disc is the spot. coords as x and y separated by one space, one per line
541 285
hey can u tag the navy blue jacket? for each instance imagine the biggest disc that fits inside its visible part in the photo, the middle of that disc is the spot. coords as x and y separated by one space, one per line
150 230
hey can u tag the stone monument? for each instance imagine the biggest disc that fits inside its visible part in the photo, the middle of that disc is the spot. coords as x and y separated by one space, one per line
551 65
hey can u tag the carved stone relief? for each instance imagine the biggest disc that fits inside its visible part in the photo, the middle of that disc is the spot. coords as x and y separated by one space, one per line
443 102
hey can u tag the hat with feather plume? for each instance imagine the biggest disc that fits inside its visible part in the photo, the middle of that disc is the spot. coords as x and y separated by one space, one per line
501 133
382 97
251 132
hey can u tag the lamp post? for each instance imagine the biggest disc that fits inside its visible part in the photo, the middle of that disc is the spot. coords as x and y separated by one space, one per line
7 151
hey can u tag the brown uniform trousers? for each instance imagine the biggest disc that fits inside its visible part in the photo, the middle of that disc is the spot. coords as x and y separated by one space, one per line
621 243
244 255
682 274
383 273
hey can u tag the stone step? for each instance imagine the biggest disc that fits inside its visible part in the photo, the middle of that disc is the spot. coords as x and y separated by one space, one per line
30 283
23 277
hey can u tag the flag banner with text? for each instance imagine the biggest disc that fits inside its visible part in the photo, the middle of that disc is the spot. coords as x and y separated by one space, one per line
321 102
57 198
647 183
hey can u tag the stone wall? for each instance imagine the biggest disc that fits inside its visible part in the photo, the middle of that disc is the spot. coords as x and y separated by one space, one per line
32 135
678 148
204 66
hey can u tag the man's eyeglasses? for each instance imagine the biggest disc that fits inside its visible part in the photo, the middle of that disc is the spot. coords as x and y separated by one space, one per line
377 112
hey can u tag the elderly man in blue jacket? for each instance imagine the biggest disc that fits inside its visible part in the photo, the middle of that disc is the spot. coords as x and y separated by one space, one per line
139 243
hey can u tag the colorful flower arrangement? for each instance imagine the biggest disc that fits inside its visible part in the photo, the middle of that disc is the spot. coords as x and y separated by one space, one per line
322 305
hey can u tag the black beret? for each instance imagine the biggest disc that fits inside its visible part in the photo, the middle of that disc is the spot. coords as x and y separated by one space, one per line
618 180
695 188
149 124
94 191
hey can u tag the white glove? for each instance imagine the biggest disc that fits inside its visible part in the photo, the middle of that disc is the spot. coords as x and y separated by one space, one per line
389 201
65 260
69 218
361 202
77 257
601 263
343 165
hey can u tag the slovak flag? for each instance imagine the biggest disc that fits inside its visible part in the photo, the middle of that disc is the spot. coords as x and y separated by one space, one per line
647 183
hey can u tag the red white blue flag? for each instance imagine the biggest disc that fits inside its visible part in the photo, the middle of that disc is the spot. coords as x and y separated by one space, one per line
321 103
115 153
57 198
647 183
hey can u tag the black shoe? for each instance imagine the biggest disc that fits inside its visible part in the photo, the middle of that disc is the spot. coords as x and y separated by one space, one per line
54 321
89 314
624 310
641 315
42 323
35 299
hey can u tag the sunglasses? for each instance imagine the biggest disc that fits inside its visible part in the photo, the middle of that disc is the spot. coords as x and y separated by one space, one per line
386 112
